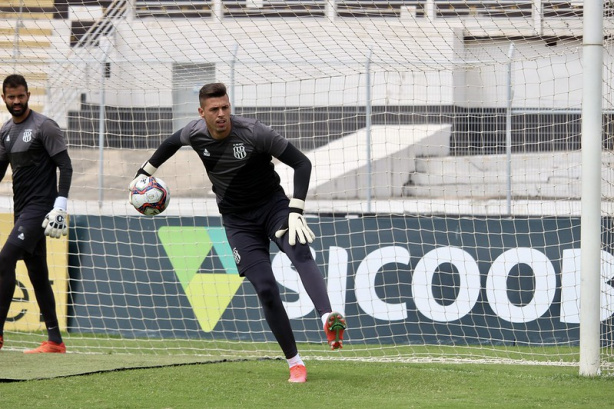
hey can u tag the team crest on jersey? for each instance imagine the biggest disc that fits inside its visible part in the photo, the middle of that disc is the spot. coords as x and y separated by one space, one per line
239 151
236 255
27 135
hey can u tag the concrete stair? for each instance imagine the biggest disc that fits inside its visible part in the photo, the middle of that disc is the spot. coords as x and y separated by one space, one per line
412 162
549 175
340 169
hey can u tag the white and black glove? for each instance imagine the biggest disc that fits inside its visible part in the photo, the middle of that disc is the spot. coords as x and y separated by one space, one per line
136 180
56 221
296 226
143 173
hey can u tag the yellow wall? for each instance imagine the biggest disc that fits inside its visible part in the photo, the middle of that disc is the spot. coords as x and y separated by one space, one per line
24 314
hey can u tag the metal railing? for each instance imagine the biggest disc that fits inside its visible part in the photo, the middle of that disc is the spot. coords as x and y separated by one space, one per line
361 8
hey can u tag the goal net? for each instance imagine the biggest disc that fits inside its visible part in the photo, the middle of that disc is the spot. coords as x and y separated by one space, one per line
445 194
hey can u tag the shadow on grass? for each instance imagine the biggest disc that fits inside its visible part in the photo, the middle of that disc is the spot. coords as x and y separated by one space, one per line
17 366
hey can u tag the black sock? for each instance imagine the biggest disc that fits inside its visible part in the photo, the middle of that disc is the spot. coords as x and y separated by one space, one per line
54 334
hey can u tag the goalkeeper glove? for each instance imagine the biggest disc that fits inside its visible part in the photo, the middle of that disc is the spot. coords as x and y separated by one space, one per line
146 170
296 225
56 221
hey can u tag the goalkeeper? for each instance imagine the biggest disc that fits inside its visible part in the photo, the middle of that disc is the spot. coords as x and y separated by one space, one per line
35 148
237 154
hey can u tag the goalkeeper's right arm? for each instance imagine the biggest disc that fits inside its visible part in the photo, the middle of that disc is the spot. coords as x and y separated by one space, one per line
146 169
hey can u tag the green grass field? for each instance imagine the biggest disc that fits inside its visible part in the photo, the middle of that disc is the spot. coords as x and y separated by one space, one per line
263 384
112 372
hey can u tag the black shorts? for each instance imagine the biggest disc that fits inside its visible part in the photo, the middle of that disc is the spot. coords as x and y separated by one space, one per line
28 232
250 233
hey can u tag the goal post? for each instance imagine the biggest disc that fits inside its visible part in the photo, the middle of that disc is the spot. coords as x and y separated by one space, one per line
461 174
592 119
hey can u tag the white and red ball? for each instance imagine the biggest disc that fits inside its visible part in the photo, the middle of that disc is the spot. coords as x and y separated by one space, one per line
150 196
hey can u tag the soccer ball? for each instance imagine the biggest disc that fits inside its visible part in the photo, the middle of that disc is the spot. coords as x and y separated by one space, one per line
150 196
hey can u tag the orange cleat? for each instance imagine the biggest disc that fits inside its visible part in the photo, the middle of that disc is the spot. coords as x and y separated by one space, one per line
334 329
48 347
298 374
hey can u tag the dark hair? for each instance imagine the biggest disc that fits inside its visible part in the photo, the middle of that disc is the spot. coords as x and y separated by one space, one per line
213 90
14 81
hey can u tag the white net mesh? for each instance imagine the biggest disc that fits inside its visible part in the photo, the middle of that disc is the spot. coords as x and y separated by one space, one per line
445 192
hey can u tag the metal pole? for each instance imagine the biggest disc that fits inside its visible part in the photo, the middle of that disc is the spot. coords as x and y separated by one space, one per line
537 10
330 10
101 119
217 10
590 219
18 26
368 129
232 78
508 128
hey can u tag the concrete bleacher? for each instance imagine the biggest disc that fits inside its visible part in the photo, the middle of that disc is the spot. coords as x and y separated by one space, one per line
25 46
340 168
413 161
555 175
27 9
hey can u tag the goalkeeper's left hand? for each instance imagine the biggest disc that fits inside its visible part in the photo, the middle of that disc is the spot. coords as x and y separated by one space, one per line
56 221
296 225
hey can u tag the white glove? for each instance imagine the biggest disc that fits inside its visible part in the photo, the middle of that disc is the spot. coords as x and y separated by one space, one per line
56 221
296 225
136 180
145 171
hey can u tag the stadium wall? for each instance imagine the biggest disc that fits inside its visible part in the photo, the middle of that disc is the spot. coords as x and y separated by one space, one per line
428 71
301 62
475 131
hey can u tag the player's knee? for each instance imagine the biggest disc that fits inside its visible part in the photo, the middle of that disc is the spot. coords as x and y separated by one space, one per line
6 272
268 293
38 280
7 265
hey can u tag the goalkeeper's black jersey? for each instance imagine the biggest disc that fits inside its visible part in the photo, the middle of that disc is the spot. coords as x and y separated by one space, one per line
239 166
29 146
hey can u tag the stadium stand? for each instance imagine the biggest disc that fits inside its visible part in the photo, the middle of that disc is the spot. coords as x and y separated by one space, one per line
25 44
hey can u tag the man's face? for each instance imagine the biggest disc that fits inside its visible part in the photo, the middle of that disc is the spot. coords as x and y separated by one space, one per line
16 100
216 113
